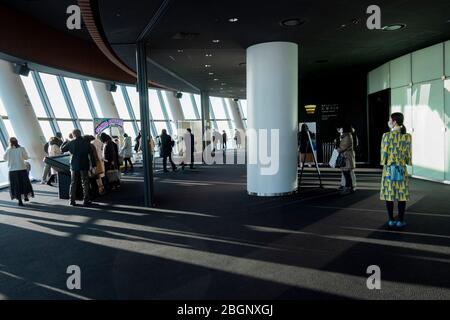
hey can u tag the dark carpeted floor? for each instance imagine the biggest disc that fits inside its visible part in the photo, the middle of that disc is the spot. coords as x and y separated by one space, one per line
207 239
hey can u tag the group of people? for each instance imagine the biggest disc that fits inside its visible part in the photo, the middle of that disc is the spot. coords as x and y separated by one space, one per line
222 139
98 157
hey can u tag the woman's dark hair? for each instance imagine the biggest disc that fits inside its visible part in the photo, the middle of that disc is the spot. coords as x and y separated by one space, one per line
399 119
304 128
104 137
346 128
13 143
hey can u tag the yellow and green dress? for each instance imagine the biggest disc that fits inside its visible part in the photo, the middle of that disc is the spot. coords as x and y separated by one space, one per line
395 149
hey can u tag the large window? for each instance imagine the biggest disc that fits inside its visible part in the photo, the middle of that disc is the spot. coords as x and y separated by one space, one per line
78 98
121 105
217 106
134 99
188 108
33 95
66 128
87 127
94 99
55 96
46 129
155 106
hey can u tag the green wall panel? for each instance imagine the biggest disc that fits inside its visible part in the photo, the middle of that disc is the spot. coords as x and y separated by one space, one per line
428 134
400 71
378 79
428 63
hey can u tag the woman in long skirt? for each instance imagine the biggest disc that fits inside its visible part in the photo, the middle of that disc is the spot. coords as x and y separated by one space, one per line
19 181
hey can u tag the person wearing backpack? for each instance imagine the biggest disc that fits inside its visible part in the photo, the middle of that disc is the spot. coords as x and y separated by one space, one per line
395 156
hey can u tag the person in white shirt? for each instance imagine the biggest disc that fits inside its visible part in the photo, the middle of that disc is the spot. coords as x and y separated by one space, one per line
19 181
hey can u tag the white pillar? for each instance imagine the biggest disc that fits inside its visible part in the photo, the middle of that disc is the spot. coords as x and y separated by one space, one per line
106 100
236 114
22 116
174 106
272 98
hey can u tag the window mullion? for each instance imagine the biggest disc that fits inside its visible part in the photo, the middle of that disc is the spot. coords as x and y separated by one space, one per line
45 101
164 111
88 97
194 104
69 102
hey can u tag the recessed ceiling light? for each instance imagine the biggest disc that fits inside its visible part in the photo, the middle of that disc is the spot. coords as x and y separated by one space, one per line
394 27
291 22
216 79
180 50
216 41
208 55
233 20
207 66
211 73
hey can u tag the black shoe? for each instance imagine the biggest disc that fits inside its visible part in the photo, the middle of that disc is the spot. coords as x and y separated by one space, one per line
26 199
87 203
73 203
20 203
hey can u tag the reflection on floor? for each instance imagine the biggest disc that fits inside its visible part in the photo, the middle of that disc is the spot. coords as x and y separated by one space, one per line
208 239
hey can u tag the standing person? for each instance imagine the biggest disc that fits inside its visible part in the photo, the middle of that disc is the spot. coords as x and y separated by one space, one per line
189 143
46 172
127 152
355 146
100 169
111 160
346 150
166 145
70 138
137 144
53 151
224 140
19 181
81 160
237 138
395 156
302 140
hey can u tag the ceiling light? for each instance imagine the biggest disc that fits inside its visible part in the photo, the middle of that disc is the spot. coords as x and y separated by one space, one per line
211 73
216 79
180 50
216 41
233 20
223 84
208 55
207 66
291 22
394 27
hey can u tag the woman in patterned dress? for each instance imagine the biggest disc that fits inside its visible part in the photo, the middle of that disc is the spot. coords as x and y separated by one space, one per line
395 156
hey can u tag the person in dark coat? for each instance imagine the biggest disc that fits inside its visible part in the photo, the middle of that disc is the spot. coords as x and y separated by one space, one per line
110 157
166 145
82 159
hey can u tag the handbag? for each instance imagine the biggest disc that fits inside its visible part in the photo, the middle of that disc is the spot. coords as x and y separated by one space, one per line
333 159
395 172
340 161
113 175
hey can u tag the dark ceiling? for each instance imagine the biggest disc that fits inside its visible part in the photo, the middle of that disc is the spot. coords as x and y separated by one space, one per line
181 38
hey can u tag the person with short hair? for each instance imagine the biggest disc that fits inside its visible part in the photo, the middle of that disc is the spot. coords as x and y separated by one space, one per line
224 140
19 181
189 145
82 159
